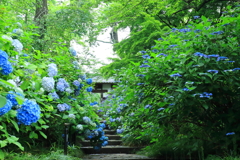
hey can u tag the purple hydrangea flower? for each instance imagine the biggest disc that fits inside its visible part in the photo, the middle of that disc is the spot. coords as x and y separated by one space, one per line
29 113
139 84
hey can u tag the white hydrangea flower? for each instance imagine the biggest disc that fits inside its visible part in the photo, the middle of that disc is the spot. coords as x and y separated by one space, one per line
79 127
12 82
72 116
17 45
68 90
7 37
48 83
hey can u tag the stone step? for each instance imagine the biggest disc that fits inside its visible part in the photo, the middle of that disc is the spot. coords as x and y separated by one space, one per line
115 157
107 131
110 149
110 142
113 137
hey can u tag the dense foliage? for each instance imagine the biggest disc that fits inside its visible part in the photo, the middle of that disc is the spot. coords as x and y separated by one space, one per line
183 96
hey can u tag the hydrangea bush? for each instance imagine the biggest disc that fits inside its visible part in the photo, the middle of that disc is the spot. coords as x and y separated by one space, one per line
187 90
36 90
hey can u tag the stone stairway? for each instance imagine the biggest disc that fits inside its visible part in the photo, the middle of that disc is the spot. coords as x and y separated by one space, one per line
113 151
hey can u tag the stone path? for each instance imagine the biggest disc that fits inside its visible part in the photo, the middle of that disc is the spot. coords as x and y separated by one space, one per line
113 151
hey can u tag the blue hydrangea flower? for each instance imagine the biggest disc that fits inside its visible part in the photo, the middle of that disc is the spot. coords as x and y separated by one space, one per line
7 107
6 68
175 75
222 58
155 51
89 81
139 84
140 75
48 83
76 83
161 54
148 106
230 133
83 77
143 52
73 51
52 70
196 17
29 113
60 86
184 30
197 31
172 46
146 56
61 107
68 90
186 89
54 95
201 55
213 55
112 120
144 65
67 107
66 84
119 131
174 29
212 71
12 97
161 109
3 57
205 95
160 39
89 89
235 69
217 33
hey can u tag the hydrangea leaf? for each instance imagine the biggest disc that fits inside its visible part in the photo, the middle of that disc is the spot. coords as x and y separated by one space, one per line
33 135
19 99
6 84
15 125
3 101
24 85
44 135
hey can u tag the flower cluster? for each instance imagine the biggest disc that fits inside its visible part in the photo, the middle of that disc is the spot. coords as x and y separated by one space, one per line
48 83
7 107
93 103
54 95
119 131
89 89
97 136
79 127
76 83
87 120
62 85
5 66
89 81
29 112
63 107
73 51
12 97
17 45
52 70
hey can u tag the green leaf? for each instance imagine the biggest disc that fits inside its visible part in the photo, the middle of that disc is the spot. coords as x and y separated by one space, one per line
12 139
19 99
1 155
3 101
4 83
25 85
3 143
43 134
15 125
45 126
33 135
19 145
205 106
